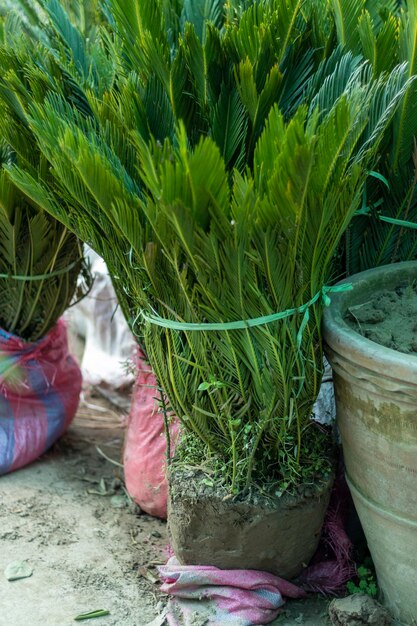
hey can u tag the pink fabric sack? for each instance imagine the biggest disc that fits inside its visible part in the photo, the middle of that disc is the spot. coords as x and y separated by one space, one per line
145 445
239 597
40 385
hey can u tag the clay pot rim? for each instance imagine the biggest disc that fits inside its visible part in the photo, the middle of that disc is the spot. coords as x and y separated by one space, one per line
343 340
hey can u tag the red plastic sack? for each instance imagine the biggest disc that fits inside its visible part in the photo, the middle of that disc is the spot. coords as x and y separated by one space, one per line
40 385
145 446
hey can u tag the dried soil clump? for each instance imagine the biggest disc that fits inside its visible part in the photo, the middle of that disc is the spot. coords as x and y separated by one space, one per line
358 610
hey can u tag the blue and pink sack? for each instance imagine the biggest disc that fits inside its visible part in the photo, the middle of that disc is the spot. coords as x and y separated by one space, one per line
40 385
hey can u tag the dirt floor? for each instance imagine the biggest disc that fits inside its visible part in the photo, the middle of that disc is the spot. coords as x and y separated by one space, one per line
89 546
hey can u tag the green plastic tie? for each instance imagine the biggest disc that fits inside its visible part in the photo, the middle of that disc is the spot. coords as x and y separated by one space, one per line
384 218
396 222
379 177
251 323
366 210
63 270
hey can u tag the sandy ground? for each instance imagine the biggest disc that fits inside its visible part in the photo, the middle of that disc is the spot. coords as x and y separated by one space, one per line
86 553
68 516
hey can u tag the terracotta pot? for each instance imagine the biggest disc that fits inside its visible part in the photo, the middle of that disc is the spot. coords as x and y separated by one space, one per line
376 401
278 536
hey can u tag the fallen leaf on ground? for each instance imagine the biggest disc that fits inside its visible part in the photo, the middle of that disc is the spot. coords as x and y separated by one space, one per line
91 615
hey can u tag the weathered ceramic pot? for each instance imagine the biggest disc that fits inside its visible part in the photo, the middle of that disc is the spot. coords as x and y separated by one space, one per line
376 401
277 535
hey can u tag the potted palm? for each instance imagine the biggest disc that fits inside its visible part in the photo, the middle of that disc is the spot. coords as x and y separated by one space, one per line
223 241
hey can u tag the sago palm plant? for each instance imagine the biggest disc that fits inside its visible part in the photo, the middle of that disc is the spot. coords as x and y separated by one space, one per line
208 247
385 33
40 259
222 206
233 255
216 66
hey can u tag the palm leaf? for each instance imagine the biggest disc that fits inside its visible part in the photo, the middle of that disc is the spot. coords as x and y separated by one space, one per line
406 122
347 14
229 125
201 13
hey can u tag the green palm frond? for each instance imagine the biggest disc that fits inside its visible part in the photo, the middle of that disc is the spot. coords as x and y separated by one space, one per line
333 77
381 10
297 69
380 48
347 14
288 13
69 34
144 41
293 210
40 259
387 36
201 14
405 127
229 126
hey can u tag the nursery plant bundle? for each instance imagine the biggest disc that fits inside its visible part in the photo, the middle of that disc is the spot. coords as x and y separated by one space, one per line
168 70
40 259
235 275
236 226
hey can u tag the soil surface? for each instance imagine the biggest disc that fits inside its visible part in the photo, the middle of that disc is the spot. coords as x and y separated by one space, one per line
90 548
388 318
